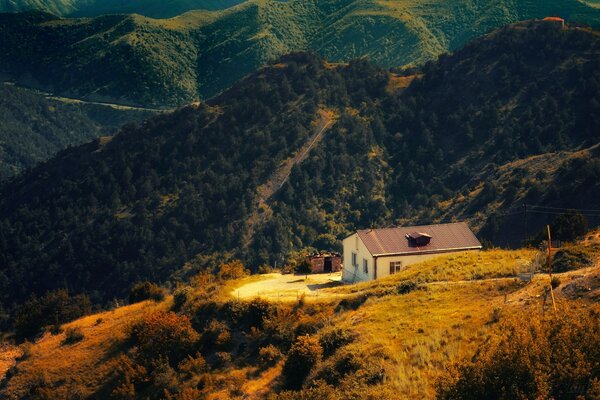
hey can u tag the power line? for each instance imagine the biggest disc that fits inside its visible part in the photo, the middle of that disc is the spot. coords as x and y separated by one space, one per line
562 208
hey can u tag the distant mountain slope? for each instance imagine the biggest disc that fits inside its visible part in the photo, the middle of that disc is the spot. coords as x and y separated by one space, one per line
182 187
137 60
33 127
92 8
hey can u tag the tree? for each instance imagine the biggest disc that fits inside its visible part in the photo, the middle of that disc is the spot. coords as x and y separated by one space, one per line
302 357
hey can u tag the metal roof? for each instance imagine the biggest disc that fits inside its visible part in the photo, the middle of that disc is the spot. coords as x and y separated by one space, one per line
444 237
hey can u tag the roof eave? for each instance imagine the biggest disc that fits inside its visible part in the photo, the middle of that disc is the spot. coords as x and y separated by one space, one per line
411 253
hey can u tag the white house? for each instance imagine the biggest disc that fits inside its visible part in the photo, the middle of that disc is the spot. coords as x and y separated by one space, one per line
376 253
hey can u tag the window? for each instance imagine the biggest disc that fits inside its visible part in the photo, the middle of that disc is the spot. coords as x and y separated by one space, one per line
395 266
354 260
365 266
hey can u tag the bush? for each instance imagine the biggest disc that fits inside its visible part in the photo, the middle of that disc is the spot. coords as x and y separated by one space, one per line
180 296
146 291
165 334
73 335
232 270
406 287
269 355
331 341
570 258
555 282
302 357
532 357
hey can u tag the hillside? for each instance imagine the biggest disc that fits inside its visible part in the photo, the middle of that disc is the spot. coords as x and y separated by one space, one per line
407 336
132 59
91 8
177 193
34 127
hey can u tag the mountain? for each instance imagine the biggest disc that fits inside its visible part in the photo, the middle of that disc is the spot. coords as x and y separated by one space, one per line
136 60
91 8
303 152
34 127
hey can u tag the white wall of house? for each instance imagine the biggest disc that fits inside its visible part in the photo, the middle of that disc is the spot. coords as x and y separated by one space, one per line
350 273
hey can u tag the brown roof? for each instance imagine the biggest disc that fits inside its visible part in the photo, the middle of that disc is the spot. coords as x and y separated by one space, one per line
444 237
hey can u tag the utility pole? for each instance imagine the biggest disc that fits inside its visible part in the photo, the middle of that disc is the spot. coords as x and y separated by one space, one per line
550 267
526 227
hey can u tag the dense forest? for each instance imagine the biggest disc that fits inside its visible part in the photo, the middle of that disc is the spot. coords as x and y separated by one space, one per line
178 190
135 60
34 127
89 8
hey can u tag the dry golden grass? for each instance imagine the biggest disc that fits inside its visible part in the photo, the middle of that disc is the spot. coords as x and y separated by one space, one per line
81 367
454 268
421 332
413 336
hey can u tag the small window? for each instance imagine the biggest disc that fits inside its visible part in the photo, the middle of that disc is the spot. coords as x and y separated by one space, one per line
365 266
395 266
354 260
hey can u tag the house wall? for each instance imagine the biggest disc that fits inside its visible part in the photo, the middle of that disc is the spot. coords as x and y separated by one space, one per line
349 272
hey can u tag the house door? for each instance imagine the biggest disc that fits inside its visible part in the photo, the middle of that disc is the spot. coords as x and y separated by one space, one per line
327 266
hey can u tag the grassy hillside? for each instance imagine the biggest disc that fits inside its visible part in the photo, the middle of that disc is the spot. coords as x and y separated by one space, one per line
34 127
383 342
137 60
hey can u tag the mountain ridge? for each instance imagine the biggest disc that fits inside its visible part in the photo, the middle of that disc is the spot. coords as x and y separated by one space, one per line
200 53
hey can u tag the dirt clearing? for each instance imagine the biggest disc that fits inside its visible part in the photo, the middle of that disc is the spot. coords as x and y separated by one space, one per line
290 287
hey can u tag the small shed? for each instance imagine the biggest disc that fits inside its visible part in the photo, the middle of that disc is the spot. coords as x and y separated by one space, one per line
325 262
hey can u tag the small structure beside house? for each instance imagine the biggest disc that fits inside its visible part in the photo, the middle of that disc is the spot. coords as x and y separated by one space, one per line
325 262
376 253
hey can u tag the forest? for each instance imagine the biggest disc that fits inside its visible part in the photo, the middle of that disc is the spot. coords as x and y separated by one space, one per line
171 196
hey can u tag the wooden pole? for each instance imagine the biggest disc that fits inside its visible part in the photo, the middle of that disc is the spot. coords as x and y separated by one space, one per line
550 267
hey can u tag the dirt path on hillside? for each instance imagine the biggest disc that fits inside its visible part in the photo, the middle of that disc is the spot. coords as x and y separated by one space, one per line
326 119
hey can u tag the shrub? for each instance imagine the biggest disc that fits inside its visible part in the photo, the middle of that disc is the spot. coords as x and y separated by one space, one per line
555 282
570 258
235 310
146 291
73 335
127 374
180 296
333 340
520 359
351 303
217 335
192 366
269 355
222 358
258 311
165 334
302 357
232 270
406 287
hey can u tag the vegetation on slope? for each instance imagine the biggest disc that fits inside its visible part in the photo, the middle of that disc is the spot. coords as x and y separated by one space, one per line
137 60
470 338
90 8
178 190
33 128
